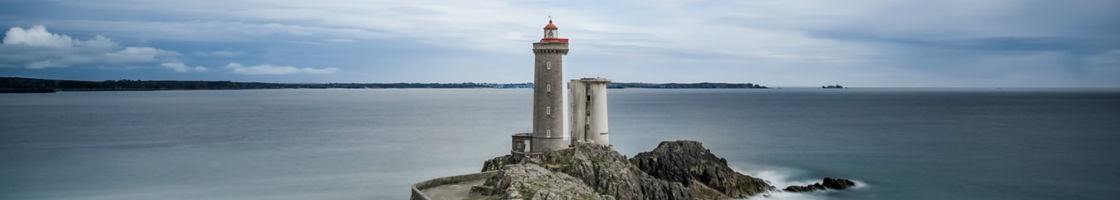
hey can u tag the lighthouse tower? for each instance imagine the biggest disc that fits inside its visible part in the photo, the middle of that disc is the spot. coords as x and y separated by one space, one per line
548 92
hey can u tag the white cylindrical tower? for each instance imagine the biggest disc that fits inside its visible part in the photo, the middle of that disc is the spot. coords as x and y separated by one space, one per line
598 110
589 111
578 104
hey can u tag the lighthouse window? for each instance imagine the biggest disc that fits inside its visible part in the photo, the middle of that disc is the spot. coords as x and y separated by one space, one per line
548 87
548 110
548 132
548 65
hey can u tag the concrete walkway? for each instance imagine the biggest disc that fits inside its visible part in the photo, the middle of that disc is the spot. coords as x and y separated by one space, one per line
454 191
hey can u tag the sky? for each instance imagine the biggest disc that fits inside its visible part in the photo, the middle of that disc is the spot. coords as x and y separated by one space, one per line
861 43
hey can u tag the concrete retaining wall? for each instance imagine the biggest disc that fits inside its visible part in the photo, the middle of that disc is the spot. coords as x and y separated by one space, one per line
417 189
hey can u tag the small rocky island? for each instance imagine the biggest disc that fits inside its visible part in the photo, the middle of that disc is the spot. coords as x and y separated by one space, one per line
578 162
837 86
674 170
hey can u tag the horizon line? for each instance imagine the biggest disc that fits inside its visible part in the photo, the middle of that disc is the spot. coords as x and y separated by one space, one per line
530 82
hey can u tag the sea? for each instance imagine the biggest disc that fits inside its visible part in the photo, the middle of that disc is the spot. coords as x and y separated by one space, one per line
896 143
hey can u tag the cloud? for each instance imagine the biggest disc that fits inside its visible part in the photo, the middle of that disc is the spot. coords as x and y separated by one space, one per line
267 69
339 40
137 54
789 42
1103 66
41 64
100 42
38 48
217 30
222 53
1108 59
36 36
180 67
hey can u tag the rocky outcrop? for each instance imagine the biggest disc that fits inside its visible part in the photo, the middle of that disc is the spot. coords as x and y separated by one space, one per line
806 188
498 162
600 168
688 162
529 181
837 183
609 172
827 183
674 170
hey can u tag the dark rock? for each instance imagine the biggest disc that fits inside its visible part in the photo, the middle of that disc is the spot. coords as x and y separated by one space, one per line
688 162
827 183
807 188
498 162
610 173
837 183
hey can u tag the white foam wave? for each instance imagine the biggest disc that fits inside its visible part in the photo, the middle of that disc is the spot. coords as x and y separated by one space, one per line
781 177
791 196
859 185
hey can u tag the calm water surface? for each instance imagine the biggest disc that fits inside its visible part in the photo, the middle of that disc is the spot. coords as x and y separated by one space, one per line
372 144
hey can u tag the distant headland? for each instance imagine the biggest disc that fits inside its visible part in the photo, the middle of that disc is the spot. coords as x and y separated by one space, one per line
35 85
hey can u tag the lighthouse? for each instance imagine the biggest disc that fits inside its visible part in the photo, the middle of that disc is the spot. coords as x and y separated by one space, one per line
550 111
548 92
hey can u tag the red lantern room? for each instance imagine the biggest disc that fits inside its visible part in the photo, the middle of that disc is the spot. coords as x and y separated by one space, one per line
551 35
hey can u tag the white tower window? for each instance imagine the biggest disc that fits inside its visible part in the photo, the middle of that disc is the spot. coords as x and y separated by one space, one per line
548 132
548 110
547 65
548 88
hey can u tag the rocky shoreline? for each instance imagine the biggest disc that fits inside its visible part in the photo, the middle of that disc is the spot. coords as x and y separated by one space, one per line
674 170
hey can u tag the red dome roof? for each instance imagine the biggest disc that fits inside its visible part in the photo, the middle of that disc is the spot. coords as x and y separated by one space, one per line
550 25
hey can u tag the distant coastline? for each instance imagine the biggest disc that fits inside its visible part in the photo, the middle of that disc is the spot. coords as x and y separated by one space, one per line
35 85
